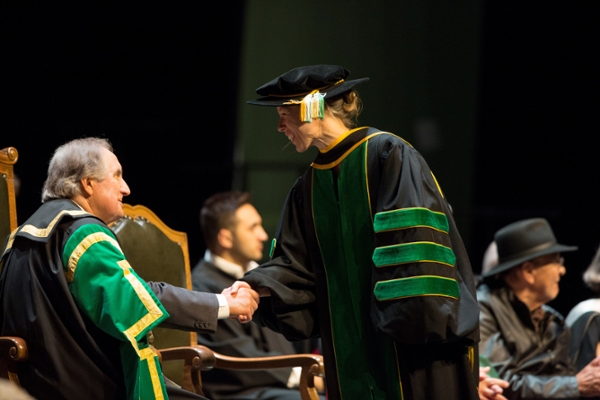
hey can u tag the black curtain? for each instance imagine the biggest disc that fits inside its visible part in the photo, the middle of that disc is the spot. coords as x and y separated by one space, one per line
538 122
158 79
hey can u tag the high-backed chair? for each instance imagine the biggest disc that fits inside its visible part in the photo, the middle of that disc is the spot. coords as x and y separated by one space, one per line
158 253
8 207
12 349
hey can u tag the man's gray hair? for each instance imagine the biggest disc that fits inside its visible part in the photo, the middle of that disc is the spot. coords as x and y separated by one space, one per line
72 162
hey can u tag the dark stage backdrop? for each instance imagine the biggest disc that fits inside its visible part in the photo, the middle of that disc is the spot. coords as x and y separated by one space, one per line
158 79
538 122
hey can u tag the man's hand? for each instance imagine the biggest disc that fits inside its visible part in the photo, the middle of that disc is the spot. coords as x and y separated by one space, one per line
490 388
242 303
588 379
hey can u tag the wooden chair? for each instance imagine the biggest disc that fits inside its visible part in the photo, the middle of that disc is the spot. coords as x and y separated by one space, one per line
8 206
191 359
12 349
158 253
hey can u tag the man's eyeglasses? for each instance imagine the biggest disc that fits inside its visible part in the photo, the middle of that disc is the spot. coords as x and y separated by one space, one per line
549 259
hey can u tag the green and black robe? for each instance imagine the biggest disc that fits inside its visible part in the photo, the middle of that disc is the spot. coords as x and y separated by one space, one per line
367 256
67 288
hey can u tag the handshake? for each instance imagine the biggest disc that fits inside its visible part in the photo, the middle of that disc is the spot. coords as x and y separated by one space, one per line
242 300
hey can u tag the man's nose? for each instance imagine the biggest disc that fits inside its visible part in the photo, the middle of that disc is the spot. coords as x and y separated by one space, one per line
262 235
125 189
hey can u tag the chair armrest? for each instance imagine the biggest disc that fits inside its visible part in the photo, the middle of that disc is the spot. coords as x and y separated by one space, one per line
14 348
195 359
12 351
312 365
200 358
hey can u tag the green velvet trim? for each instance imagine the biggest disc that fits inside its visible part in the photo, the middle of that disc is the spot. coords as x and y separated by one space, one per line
345 234
413 252
416 286
273 245
414 217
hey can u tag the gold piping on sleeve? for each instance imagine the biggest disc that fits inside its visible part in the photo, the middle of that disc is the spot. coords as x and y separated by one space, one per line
154 312
149 356
340 138
43 232
82 248
471 356
366 168
350 150
437 184
398 370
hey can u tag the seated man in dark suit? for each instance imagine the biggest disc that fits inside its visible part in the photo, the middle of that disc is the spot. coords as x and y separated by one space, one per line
234 237
68 290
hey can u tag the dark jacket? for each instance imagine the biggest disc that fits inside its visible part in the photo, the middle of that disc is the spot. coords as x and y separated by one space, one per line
240 340
536 364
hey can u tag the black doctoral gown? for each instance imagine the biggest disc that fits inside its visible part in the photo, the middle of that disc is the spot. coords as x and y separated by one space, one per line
367 256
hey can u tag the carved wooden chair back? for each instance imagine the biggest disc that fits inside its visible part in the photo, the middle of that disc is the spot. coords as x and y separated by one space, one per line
160 254
8 206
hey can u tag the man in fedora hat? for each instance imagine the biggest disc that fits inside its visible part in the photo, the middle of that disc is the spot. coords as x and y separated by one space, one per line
524 339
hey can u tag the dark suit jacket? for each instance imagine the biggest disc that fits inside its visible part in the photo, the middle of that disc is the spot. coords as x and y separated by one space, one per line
241 340
188 310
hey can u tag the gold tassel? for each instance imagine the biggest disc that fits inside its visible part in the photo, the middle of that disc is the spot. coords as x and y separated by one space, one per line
312 106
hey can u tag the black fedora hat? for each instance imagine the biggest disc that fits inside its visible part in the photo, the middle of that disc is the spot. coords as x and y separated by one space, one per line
523 241
293 86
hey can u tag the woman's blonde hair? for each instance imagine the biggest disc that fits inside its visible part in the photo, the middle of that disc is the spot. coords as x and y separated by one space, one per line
346 106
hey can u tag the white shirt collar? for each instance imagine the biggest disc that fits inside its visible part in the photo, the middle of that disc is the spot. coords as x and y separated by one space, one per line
228 267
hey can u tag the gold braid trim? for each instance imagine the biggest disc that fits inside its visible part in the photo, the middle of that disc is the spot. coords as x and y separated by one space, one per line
82 247
43 232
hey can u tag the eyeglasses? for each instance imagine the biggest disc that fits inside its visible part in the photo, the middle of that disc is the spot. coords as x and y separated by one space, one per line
561 261
545 260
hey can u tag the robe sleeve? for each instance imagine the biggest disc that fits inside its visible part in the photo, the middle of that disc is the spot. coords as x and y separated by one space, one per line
292 308
116 300
423 288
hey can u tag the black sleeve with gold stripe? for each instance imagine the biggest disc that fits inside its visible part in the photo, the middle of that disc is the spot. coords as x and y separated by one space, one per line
422 279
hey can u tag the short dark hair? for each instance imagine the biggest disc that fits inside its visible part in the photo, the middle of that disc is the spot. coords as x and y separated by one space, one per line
218 212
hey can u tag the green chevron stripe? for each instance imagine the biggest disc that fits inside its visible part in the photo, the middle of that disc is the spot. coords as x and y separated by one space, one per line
426 285
414 217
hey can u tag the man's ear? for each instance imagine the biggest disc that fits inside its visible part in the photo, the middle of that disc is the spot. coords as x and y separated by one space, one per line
87 186
225 238
526 270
